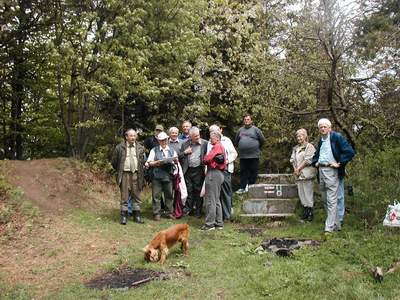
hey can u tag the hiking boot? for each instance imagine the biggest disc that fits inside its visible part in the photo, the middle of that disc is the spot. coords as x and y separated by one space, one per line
136 217
156 217
123 217
219 227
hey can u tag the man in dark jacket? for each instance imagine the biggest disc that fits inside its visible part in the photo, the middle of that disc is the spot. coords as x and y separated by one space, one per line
191 158
128 162
332 155
249 141
151 141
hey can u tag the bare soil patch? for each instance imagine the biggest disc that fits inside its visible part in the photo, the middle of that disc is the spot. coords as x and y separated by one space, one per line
57 185
49 251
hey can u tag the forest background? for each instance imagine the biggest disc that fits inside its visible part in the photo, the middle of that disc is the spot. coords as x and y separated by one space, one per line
75 74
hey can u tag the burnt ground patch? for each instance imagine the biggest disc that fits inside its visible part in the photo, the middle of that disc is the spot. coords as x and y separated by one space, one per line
126 278
285 246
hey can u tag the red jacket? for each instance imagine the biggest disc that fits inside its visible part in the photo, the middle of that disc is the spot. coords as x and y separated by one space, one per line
209 157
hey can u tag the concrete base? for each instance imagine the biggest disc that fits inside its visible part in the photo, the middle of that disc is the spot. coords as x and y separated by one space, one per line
264 190
269 207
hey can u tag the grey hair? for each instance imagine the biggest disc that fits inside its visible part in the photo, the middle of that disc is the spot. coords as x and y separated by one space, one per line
216 134
214 127
303 132
130 129
194 129
172 128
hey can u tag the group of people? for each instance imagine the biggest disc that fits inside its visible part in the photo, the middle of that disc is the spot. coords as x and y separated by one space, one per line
189 175
185 170
327 162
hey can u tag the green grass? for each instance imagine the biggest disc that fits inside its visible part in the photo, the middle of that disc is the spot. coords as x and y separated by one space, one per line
224 264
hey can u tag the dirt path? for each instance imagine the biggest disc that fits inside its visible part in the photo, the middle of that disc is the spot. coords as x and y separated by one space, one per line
55 251
57 185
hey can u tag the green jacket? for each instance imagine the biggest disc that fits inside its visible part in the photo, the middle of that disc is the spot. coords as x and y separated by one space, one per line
118 161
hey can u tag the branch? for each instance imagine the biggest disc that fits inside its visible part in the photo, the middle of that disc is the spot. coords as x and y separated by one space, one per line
304 113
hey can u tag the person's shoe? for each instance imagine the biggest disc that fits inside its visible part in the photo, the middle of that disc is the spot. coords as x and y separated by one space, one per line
240 191
337 227
310 214
136 217
156 218
123 217
305 213
219 227
171 216
207 228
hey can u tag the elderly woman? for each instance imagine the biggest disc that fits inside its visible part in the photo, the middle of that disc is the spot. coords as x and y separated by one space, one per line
300 159
216 162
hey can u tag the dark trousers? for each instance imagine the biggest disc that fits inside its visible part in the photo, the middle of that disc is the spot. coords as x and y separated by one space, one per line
248 171
226 196
194 178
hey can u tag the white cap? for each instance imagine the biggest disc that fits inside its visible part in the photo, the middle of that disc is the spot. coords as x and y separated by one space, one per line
162 136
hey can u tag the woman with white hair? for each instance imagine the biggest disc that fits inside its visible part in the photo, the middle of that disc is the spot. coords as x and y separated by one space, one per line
305 173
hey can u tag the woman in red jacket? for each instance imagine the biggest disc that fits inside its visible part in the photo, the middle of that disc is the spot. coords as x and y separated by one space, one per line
216 163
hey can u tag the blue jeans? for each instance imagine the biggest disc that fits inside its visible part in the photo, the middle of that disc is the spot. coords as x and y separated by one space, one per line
340 200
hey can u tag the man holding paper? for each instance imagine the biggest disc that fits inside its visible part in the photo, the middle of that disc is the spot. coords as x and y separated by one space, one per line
162 159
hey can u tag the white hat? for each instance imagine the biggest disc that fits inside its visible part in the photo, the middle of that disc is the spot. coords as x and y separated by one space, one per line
162 136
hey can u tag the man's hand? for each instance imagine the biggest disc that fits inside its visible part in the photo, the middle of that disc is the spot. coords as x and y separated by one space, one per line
188 150
334 165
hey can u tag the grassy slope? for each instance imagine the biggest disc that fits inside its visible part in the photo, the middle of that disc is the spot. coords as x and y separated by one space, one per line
223 264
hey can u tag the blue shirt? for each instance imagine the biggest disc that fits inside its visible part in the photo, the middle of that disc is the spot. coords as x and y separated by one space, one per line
325 154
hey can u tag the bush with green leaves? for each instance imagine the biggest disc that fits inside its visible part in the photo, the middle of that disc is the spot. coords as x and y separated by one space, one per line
375 177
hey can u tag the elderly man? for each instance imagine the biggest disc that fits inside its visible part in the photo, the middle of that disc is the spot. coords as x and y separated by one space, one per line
162 159
174 142
128 161
231 155
184 136
249 141
191 158
332 155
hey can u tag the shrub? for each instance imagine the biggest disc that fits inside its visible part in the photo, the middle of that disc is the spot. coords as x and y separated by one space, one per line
375 177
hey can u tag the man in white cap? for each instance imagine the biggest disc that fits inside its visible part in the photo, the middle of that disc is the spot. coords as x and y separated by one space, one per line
162 160
332 155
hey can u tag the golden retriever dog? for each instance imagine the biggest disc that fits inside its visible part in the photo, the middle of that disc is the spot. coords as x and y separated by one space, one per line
158 248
